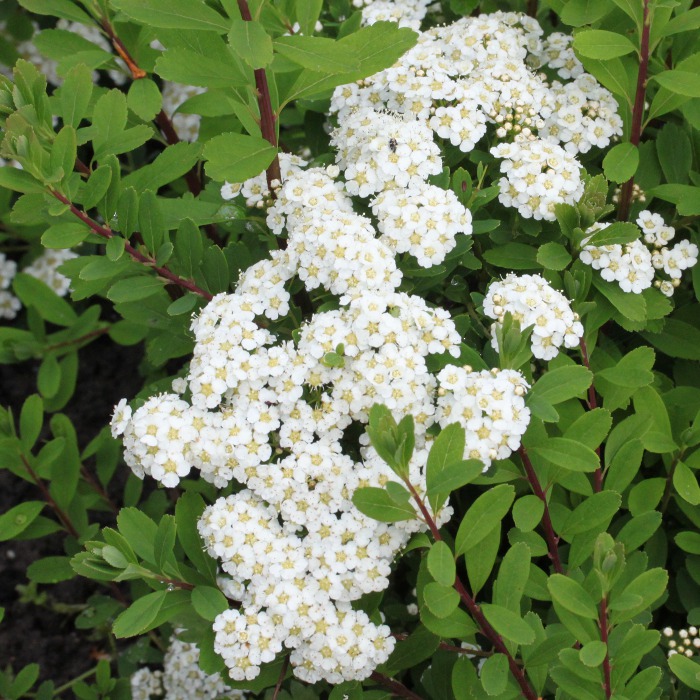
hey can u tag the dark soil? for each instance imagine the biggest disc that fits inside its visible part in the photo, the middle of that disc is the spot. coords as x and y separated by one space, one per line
43 632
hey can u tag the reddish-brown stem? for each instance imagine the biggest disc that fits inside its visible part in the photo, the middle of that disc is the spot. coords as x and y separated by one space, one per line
76 341
268 126
280 678
136 72
550 535
603 622
638 108
60 513
474 610
82 168
97 488
397 689
177 584
107 233
592 404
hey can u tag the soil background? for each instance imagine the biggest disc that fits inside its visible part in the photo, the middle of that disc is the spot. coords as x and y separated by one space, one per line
31 633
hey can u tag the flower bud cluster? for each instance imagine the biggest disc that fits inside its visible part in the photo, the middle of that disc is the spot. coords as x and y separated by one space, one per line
181 678
682 641
489 405
9 303
533 303
644 262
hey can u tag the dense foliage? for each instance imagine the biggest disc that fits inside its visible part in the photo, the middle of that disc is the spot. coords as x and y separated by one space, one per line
416 290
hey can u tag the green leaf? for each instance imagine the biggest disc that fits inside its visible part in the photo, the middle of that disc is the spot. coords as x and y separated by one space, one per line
561 384
35 293
376 503
568 454
679 82
553 256
307 15
194 68
508 624
441 600
441 563
482 516
572 596
678 339
139 615
591 428
513 256
16 520
151 224
590 514
251 43
620 232
576 13
65 9
686 670
134 289
593 653
494 674
188 509
175 14
96 187
215 269
140 532
64 151
452 478
621 162
675 153
64 235
686 484
685 21
144 99
237 157
447 449
189 246
50 570
19 180
602 44
48 379
512 577
420 645
208 602
317 54
527 512
632 371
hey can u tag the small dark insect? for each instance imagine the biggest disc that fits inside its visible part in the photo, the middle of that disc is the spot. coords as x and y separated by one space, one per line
392 145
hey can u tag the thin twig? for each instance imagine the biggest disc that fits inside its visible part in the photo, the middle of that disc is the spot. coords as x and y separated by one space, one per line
280 678
62 516
638 109
474 610
592 404
136 255
550 535
268 126
398 689
76 341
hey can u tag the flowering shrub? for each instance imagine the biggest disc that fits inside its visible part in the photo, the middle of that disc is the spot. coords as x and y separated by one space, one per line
416 289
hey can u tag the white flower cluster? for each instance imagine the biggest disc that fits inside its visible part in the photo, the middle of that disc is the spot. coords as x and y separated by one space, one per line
638 265
537 176
181 678
489 405
682 641
421 220
174 95
44 268
273 415
9 303
476 73
533 303
407 13
255 190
